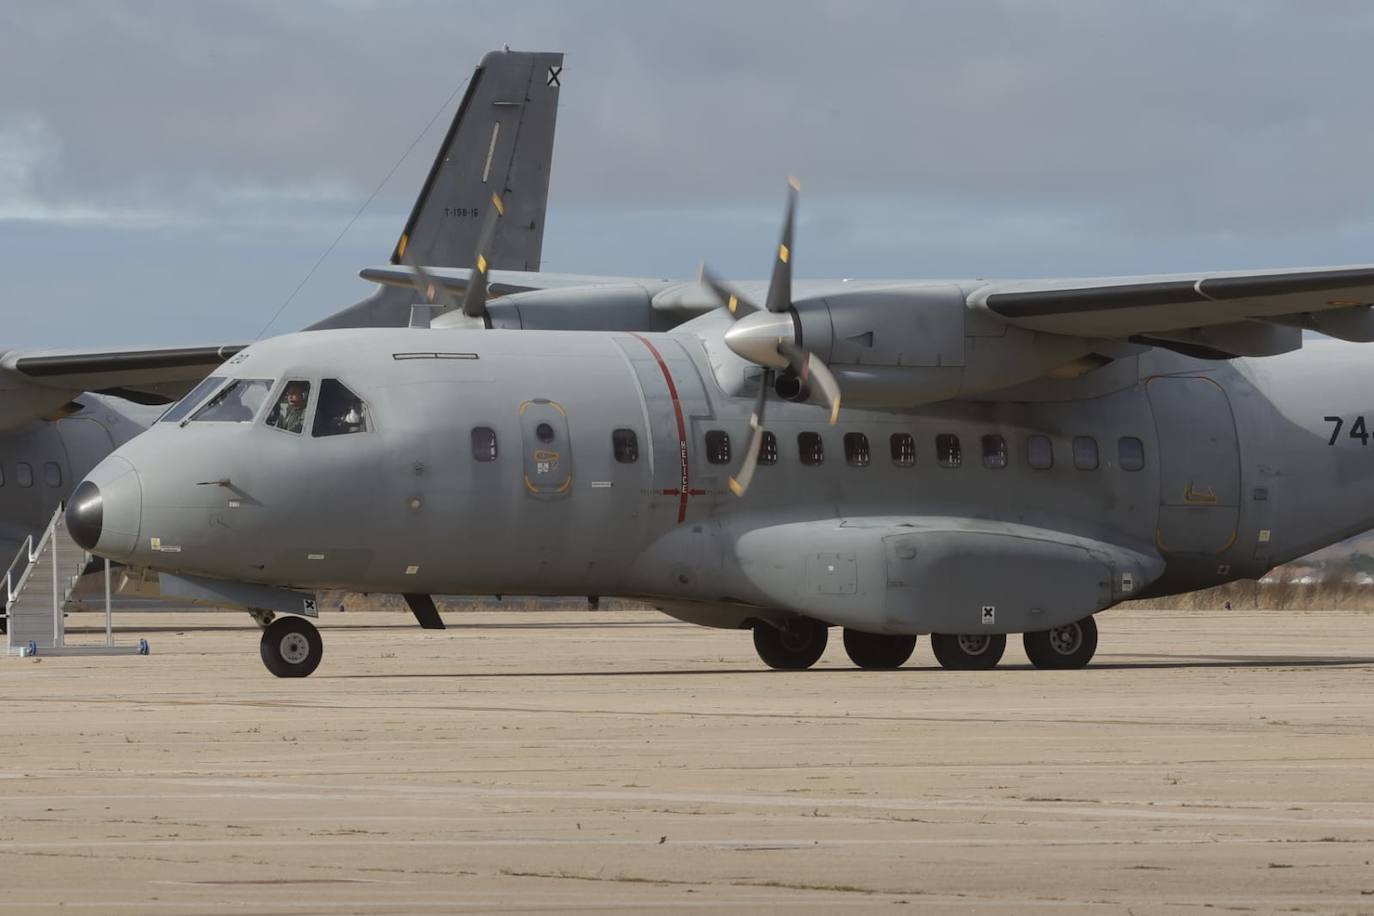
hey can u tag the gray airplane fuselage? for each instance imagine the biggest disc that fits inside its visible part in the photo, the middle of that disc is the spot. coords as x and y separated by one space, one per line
501 462
41 461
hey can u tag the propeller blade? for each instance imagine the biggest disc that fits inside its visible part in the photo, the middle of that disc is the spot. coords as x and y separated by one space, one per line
737 304
429 288
810 369
475 296
780 286
740 482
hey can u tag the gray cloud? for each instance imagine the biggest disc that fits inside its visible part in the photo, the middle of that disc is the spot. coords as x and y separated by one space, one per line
997 136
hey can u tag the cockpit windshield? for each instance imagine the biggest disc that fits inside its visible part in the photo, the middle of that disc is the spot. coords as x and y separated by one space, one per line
289 411
239 402
340 411
181 408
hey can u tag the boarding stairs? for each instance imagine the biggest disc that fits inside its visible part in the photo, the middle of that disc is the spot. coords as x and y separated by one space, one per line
38 588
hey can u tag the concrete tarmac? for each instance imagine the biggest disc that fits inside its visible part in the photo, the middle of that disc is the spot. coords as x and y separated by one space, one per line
622 761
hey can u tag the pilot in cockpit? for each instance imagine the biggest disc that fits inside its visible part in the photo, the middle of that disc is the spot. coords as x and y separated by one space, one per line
289 412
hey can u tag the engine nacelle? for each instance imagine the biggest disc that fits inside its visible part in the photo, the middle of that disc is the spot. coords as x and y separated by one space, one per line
903 346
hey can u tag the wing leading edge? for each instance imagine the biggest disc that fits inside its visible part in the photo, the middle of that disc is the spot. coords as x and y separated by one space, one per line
1219 314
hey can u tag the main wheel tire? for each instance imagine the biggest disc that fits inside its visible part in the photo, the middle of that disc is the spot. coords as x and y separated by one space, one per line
968 651
1061 648
878 651
795 648
291 647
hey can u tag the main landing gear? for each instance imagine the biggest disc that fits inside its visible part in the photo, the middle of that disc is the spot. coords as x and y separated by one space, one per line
799 642
1069 646
796 645
968 651
878 650
291 647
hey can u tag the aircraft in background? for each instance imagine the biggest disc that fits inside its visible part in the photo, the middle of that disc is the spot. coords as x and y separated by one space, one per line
1012 456
63 410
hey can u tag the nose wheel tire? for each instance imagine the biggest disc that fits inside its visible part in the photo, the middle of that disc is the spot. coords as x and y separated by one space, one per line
795 648
1069 646
876 651
291 647
968 651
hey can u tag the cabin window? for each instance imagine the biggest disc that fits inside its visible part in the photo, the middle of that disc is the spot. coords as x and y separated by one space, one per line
1040 452
947 450
340 411
811 448
994 452
237 402
718 447
52 474
856 451
1085 453
483 443
903 449
768 449
23 474
625 446
1130 452
181 408
289 412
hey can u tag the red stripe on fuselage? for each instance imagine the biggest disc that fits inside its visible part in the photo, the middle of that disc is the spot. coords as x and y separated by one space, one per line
684 486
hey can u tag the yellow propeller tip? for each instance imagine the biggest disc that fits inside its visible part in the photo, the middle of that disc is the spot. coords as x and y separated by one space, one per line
496 202
835 412
735 488
793 183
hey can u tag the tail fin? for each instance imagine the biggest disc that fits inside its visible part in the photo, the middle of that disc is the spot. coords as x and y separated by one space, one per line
501 141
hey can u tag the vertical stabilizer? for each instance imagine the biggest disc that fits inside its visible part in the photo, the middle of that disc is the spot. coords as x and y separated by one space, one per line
500 141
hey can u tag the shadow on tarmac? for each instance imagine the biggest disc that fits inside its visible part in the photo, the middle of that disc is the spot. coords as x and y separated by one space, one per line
1164 663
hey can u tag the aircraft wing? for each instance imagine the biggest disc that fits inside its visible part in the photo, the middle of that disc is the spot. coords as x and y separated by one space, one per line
37 382
1230 313
502 282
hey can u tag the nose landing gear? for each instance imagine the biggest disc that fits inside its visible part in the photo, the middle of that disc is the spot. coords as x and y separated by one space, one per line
291 647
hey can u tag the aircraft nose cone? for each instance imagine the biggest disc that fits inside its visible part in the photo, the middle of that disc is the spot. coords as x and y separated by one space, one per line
106 510
86 515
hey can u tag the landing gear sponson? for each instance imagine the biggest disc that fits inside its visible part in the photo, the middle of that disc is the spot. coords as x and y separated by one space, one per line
799 642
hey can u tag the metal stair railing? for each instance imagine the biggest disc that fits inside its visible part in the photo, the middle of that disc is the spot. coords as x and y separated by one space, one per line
23 637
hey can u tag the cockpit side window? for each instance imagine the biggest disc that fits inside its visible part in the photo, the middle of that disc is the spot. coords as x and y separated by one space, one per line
180 409
237 402
289 412
339 411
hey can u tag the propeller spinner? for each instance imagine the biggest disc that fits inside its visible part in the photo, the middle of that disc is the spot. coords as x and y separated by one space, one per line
771 338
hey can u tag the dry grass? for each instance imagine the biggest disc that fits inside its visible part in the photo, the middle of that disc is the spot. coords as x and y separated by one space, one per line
1247 595
330 601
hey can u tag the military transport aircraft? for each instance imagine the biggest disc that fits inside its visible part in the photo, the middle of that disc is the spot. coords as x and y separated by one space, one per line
62 411
965 459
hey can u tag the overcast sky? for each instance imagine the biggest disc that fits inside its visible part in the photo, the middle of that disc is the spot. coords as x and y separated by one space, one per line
169 171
